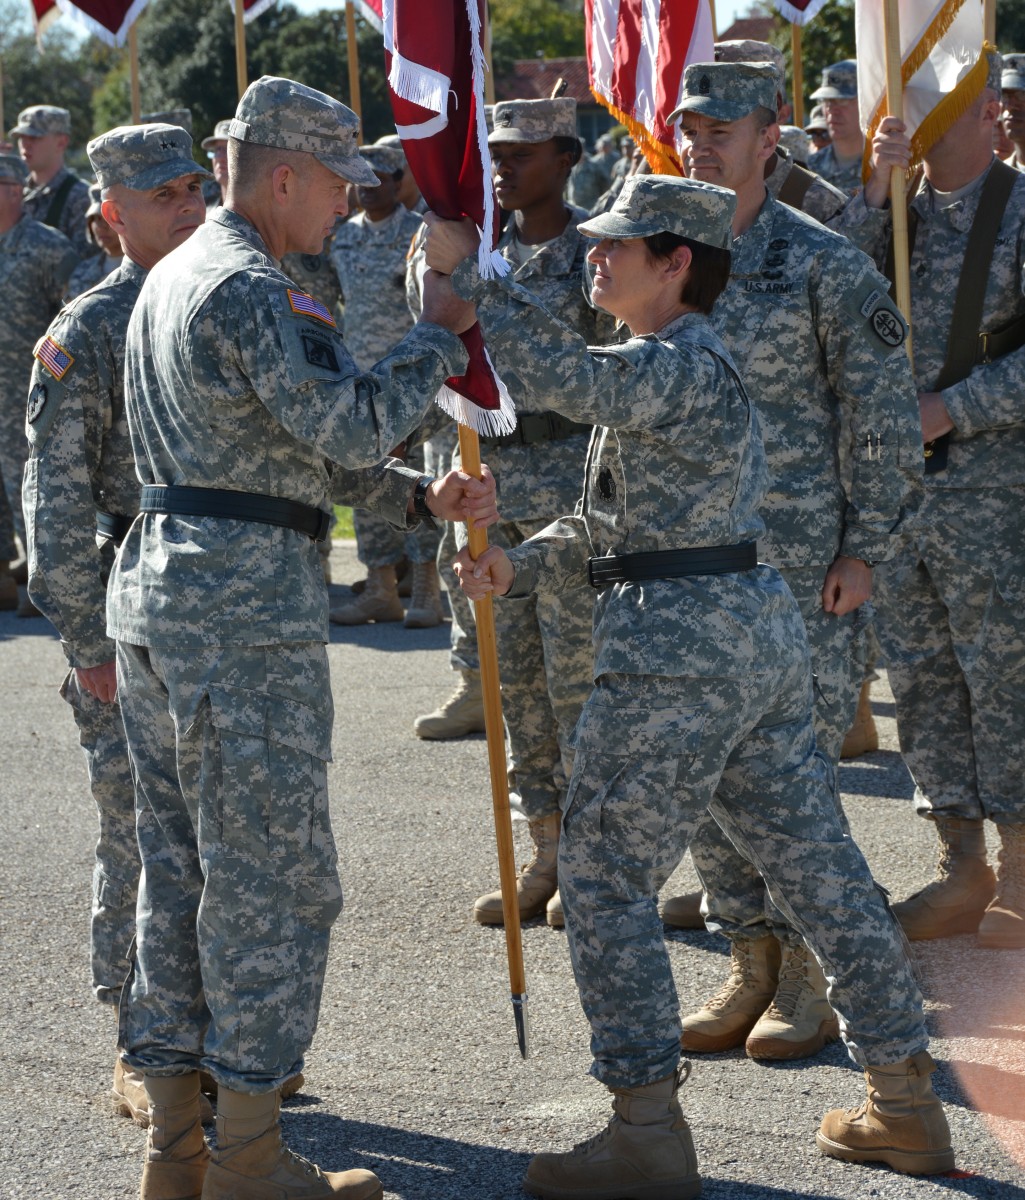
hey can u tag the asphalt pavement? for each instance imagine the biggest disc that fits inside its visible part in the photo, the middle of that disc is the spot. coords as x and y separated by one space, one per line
414 1071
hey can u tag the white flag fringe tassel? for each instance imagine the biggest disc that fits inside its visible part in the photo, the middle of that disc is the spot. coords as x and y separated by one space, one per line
943 67
488 422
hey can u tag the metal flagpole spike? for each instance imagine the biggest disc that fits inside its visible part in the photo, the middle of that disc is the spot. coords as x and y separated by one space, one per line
522 1031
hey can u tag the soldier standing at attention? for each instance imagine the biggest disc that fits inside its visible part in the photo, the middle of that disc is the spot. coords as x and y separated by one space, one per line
216 147
238 392
808 320
35 265
952 620
702 695
840 161
1012 94
80 495
91 270
53 195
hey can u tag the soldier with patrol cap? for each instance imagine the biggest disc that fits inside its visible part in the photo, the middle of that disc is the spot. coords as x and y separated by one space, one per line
80 495
702 693
91 270
809 322
840 161
952 617
216 147
817 129
35 265
240 394
1012 95
53 194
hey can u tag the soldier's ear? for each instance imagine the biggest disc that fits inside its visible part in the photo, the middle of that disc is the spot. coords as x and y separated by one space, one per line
110 211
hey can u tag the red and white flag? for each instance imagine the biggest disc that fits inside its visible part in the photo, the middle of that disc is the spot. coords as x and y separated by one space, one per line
636 53
44 13
799 12
372 11
109 20
434 55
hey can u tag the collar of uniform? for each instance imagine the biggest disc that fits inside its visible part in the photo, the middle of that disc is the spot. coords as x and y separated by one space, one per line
47 189
386 230
961 213
131 271
238 224
678 323
556 257
750 248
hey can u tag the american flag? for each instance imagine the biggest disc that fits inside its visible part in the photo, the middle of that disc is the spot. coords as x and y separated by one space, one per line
302 303
54 357
636 53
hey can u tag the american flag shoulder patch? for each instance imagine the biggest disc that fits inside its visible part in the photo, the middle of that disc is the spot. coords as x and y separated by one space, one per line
54 357
306 306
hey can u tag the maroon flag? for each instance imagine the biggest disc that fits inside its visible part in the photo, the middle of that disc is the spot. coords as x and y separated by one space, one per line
434 56
109 20
44 13
799 12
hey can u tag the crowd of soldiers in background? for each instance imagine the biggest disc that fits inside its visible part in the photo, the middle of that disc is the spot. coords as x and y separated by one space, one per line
55 244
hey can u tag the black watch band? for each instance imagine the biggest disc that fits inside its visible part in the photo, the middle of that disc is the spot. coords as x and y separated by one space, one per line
420 509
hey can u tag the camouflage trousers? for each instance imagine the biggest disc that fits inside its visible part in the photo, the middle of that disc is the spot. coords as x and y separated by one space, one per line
14 453
379 544
101 733
652 754
735 893
240 882
546 664
463 656
8 546
952 627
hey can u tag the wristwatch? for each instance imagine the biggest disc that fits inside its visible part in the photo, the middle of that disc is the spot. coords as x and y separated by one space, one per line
420 509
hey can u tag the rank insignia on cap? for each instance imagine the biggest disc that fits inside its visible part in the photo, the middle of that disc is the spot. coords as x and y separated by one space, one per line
306 306
54 357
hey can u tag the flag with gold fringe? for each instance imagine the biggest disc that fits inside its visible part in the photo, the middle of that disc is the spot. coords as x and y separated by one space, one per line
636 53
943 66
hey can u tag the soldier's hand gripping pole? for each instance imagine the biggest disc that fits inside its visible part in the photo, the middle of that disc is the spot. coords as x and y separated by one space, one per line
469 450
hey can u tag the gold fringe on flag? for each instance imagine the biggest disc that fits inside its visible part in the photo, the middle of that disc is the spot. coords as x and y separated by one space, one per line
661 159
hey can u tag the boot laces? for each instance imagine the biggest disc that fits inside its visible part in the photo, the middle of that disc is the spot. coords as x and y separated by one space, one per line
740 962
793 983
309 1169
595 1140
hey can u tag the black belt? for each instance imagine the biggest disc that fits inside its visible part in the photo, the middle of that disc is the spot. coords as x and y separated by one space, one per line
237 506
532 428
112 525
671 564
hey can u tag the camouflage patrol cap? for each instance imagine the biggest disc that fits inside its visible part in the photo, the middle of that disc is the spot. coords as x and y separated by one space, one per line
291 116
728 91
221 133
386 159
95 201
650 204
796 141
1012 73
140 157
182 117
817 120
839 82
749 51
40 120
12 169
534 121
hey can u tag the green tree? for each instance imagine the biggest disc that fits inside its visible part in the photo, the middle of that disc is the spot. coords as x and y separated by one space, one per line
1010 25
529 28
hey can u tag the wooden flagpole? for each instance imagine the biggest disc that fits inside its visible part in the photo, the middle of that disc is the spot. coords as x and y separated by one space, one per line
355 103
715 27
898 198
797 72
133 68
3 123
989 21
241 67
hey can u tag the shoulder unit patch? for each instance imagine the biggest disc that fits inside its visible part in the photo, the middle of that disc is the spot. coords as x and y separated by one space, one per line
54 357
304 305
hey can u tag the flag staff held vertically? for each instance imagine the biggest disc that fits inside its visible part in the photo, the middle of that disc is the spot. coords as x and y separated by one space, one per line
133 70
3 123
989 21
352 51
241 68
797 72
898 182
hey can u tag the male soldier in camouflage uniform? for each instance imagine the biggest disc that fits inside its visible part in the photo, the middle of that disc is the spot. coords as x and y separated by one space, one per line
368 255
53 195
808 320
1012 94
840 161
544 642
91 270
817 129
238 389
80 495
216 147
702 695
35 264
952 603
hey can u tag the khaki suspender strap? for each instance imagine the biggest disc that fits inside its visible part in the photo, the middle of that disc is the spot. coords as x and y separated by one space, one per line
60 199
795 187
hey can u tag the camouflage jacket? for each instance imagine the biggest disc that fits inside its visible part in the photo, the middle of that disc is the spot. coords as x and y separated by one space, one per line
822 200
987 447
820 347
847 178
88 274
80 460
235 380
71 221
35 265
675 462
370 262
315 273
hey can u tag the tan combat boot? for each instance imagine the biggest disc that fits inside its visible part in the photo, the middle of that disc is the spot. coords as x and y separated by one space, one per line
644 1153
176 1153
1003 924
683 912
799 1021
725 1021
425 607
250 1162
129 1097
462 712
8 588
955 901
536 884
554 915
378 602
862 737
901 1124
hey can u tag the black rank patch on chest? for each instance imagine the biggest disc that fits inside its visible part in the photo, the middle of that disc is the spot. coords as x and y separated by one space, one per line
606 484
36 402
320 354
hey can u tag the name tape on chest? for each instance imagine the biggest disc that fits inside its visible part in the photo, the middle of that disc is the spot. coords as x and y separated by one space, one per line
305 306
54 357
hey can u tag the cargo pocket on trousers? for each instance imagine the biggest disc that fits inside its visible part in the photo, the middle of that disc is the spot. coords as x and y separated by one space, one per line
273 753
273 1025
